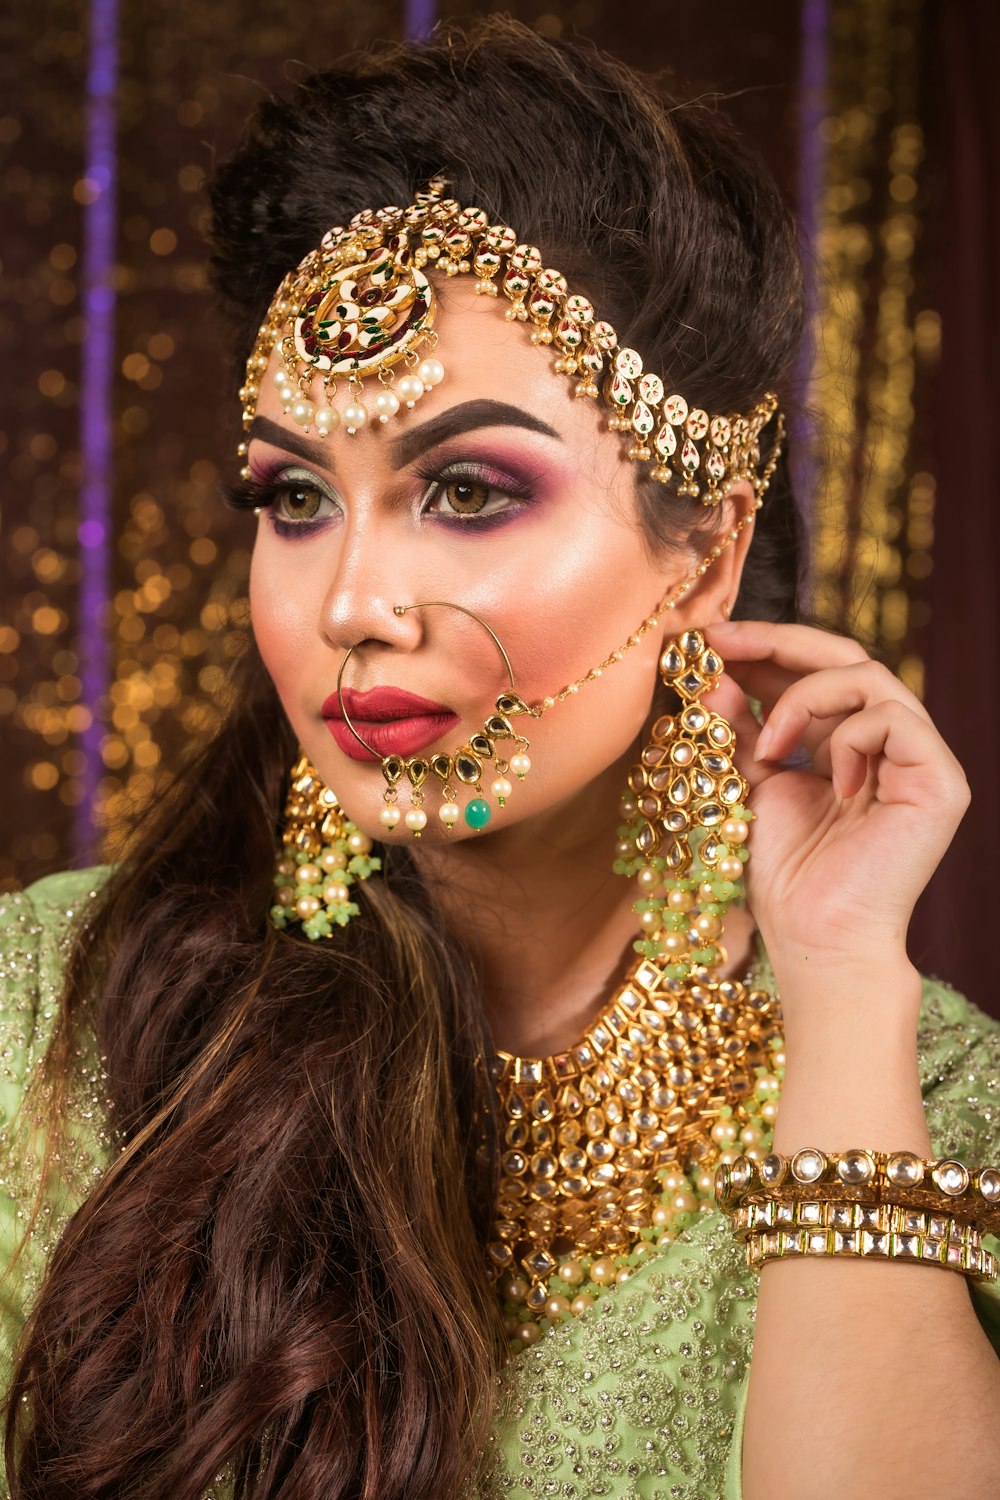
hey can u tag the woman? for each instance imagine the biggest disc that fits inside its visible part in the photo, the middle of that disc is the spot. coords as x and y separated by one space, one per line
394 1171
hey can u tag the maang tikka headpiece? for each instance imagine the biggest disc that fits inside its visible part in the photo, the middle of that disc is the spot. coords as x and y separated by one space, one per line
360 307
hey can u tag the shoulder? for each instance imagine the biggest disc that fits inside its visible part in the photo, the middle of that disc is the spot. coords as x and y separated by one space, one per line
42 916
37 927
36 933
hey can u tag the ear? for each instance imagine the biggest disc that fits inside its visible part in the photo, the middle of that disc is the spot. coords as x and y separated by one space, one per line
712 597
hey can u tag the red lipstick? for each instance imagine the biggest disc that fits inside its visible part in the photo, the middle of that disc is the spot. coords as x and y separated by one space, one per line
389 719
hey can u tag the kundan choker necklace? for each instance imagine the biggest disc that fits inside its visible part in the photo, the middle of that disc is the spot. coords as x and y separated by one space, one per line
611 1146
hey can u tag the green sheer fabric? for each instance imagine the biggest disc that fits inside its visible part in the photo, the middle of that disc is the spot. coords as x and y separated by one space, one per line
641 1397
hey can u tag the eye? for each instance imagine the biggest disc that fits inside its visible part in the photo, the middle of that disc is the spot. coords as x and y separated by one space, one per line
469 495
298 500
466 497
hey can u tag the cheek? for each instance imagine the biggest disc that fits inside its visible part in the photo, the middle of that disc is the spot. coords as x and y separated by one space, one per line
571 620
279 615
593 728
577 601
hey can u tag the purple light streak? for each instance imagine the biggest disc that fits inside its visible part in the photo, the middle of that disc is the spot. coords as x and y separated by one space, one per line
813 103
420 18
96 396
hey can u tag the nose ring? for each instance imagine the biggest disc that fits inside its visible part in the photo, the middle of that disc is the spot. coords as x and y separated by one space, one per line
467 765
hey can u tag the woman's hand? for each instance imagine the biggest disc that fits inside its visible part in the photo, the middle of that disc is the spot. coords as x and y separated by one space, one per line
842 847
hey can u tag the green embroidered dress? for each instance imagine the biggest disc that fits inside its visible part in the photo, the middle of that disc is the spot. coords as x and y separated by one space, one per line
641 1397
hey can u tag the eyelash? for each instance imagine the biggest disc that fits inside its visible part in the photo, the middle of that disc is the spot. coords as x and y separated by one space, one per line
468 472
257 493
260 493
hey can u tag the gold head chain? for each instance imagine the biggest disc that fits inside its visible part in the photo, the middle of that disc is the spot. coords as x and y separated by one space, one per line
361 304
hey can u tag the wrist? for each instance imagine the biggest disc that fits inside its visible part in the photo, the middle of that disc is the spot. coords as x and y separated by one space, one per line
866 1091
828 997
852 1075
819 964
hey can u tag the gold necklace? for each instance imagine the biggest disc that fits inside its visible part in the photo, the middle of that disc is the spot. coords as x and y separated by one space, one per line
596 1141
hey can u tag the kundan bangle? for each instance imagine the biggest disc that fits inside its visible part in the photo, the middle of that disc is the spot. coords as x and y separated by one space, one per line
943 1186
816 1229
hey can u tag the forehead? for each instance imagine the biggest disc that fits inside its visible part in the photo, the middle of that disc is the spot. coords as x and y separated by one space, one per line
488 354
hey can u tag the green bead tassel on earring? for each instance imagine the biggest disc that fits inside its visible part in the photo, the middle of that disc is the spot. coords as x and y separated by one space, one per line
323 856
684 838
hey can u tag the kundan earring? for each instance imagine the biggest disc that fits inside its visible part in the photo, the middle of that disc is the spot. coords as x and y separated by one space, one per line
467 765
322 856
685 836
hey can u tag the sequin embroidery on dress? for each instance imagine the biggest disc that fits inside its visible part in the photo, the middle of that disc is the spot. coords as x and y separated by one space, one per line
640 1397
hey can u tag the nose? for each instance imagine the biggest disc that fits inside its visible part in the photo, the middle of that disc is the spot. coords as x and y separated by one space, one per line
370 579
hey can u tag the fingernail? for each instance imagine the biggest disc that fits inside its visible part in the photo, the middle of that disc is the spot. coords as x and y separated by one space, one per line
763 740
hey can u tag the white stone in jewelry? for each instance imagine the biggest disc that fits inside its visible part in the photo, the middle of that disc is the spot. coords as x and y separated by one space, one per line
855 1168
904 1169
989 1184
951 1177
808 1165
741 1173
355 416
386 405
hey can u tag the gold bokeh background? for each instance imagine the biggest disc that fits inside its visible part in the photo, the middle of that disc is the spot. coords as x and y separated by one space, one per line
869 451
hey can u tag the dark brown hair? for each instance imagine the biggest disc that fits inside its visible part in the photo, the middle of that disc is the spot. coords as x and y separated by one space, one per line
283 1273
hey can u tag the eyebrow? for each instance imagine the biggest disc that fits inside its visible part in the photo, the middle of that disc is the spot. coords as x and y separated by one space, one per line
267 431
465 417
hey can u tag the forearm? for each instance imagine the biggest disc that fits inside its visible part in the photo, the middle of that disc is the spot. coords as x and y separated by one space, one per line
865 1375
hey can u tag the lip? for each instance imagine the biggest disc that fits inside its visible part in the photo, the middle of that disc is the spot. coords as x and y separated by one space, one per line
391 720
379 705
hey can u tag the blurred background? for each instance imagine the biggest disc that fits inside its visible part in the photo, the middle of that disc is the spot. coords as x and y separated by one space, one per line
122 579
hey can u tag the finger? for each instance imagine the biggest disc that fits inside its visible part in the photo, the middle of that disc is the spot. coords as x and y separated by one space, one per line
729 700
817 739
766 683
916 764
763 680
829 694
801 648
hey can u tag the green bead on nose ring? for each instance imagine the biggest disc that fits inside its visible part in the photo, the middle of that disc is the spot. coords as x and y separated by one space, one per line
478 813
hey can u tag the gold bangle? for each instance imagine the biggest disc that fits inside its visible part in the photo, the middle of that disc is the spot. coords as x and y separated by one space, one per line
862 1175
957 1248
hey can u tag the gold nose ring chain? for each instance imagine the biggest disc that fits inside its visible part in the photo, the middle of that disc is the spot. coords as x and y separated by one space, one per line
468 763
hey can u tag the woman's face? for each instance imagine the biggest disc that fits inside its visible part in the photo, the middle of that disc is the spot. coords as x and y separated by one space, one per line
502 493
